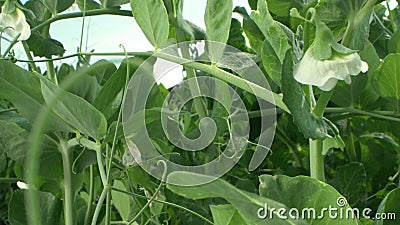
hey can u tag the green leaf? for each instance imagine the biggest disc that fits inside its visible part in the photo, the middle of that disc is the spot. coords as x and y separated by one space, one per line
113 3
387 78
57 6
23 90
282 7
50 209
295 98
218 20
44 47
74 110
275 45
14 142
304 193
152 18
351 181
121 201
236 37
109 98
102 70
226 215
90 5
394 43
337 14
253 33
390 206
246 203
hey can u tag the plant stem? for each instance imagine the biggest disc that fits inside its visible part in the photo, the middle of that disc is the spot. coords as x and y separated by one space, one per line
322 102
166 203
91 196
98 206
69 195
80 14
29 56
199 104
191 74
317 169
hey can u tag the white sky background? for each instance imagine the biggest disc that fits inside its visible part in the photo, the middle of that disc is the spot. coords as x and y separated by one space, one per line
105 33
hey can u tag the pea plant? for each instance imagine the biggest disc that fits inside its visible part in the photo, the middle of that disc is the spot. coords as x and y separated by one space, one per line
288 114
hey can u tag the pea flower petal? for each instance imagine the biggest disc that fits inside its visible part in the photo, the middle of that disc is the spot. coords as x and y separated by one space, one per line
325 73
15 23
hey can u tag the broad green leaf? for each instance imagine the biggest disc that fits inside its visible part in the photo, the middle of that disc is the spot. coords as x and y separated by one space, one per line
113 3
86 88
350 181
390 206
14 117
90 5
295 98
246 203
304 193
152 18
38 10
121 201
337 14
102 70
50 209
226 215
74 110
387 78
109 98
347 94
14 142
253 33
282 7
218 20
275 45
236 37
394 43
23 90
57 6
44 47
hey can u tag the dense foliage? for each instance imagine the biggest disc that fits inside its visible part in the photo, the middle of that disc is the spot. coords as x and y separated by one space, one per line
66 156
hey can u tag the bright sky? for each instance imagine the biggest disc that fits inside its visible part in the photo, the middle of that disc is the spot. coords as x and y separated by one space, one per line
106 33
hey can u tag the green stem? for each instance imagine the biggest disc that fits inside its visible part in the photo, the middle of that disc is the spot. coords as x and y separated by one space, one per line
392 17
69 195
91 196
322 102
381 115
29 56
51 72
355 21
193 85
199 104
166 203
317 169
99 205
100 164
11 45
350 148
80 14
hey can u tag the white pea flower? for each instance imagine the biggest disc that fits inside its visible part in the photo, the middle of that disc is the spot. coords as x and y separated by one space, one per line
15 23
325 73
326 61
